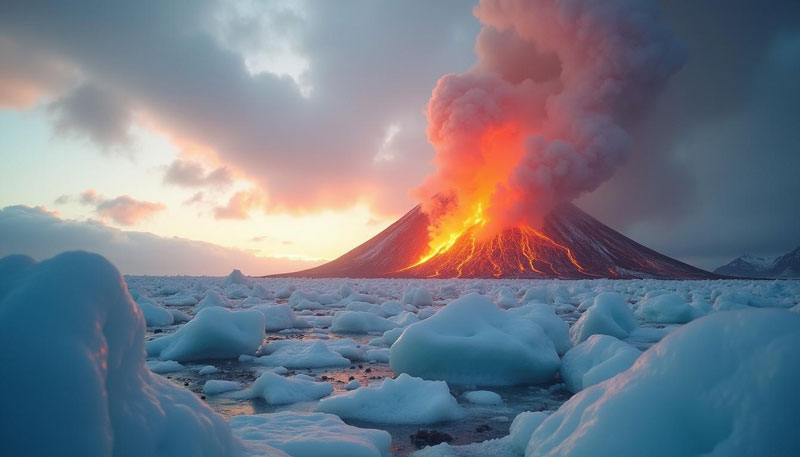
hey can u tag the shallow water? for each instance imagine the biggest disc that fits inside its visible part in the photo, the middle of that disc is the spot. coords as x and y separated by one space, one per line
493 421
516 399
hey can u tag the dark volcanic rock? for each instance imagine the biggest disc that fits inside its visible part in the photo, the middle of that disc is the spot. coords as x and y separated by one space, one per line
423 438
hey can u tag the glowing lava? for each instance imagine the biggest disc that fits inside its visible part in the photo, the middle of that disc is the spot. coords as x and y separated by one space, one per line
515 252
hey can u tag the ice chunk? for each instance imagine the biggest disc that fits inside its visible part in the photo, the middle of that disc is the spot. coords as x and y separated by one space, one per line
609 315
214 333
523 426
284 292
235 277
506 298
216 387
359 322
405 400
555 327
237 291
162 367
666 308
208 369
471 341
278 390
391 308
154 315
74 312
418 296
309 435
378 355
598 358
212 299
483 397
722 385
280 317
182 299
301 354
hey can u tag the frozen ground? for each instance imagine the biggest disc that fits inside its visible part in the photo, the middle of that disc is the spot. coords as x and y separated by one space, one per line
358 312
352 367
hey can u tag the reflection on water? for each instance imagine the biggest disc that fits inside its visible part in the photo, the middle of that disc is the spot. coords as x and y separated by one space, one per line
479 424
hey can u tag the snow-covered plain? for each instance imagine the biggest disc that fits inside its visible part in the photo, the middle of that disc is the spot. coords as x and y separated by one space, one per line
353 367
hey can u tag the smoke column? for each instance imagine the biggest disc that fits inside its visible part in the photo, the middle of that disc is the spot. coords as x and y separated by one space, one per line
543 116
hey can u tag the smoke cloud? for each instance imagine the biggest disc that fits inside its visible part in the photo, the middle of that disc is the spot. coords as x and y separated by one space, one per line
544 116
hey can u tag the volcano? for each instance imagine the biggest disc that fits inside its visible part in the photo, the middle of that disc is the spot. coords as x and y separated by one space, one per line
570 245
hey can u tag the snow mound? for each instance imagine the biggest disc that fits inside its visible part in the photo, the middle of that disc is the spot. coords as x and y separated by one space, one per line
310 435
236 291
280 317
555 327
74 312
212 299
359 322
214 333
722 385
418 296
483 397
506 298
163 367
523 427
301 354
667 308
154 315
278 390
609 315
598 358
404 400
235 277
216 387
471 341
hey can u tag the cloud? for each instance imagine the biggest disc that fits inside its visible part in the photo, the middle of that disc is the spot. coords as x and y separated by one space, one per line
241 204
192 174
196 198
41 234
62 200
719 177
125 210
99 114
27 76
198 72
90 197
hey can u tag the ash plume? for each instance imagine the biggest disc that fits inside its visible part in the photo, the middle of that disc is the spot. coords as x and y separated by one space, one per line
544 115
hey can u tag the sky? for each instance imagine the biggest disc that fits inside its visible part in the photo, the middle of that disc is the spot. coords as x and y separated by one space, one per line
193 137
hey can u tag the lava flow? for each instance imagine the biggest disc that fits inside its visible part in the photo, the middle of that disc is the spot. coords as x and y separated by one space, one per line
515 252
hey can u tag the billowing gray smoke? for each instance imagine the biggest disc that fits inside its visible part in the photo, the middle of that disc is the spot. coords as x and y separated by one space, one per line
544 116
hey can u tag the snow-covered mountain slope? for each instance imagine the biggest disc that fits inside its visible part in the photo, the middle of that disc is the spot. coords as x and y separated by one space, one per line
570 244
748 266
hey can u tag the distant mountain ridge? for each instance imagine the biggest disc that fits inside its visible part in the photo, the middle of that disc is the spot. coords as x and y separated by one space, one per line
786 266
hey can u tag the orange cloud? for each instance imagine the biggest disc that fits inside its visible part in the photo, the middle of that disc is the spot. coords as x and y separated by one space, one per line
125 210
241 204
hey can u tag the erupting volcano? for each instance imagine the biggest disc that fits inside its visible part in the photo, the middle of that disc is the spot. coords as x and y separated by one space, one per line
544 116
571 245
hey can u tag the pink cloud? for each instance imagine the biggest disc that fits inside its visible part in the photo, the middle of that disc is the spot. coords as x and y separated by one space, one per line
125 210
241 204
90 197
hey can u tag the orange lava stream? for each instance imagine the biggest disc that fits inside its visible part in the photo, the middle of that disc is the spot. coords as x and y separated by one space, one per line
477 220
560 246
512 252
